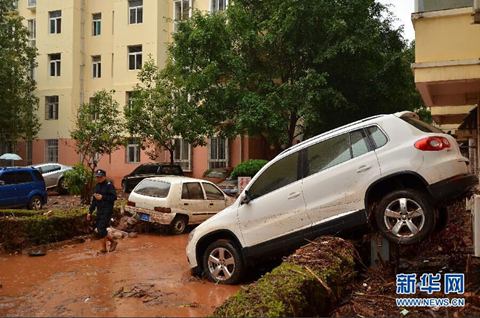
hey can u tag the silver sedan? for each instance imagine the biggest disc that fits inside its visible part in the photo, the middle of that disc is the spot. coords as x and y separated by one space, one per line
53 175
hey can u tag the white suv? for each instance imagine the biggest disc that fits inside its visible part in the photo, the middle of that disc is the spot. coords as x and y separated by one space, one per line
392 171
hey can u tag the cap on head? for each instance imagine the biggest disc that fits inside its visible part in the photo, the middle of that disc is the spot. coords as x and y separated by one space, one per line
100 173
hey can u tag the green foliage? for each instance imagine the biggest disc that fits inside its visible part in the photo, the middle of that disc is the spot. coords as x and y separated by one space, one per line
18 104
161 110
20 228
77 178
248 168
287 68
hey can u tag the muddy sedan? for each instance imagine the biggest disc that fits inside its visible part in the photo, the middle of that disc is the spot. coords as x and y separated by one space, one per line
176 201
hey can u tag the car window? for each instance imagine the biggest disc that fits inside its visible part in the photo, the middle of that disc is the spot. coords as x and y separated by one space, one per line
23 177
328 153
157 189
423 126
359 143
39 169
212 192
170 170
8 178
50 168
192 191
377 136
278 175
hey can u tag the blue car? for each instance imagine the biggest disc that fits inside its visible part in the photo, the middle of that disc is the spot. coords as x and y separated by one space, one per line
22 187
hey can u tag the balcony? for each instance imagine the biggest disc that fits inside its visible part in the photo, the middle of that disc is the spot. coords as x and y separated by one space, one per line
437 5
32 4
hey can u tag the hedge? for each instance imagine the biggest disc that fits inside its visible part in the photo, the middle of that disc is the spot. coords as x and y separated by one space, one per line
307 283
248 168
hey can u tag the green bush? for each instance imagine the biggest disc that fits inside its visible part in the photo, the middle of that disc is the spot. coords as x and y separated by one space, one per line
21 228
248 168
77 178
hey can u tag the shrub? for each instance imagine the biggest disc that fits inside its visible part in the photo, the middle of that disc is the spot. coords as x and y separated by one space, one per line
248 168
77 178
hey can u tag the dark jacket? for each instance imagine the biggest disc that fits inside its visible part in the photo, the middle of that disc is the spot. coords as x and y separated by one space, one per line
105 205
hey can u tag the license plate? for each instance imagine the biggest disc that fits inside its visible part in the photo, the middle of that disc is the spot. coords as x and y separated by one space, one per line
144 217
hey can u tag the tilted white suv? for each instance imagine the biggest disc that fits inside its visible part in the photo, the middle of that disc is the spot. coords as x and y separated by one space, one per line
393 171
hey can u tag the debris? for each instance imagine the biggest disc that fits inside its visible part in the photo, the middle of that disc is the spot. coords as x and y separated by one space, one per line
86 299
37 252
191 305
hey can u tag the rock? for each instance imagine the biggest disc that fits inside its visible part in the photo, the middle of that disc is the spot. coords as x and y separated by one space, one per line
132 234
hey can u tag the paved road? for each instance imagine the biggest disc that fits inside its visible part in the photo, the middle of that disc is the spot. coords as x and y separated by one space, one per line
146 276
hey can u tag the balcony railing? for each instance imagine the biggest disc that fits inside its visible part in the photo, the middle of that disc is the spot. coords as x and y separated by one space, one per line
436 5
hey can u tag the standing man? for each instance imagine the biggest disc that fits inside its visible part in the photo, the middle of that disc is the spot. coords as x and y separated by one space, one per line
103 198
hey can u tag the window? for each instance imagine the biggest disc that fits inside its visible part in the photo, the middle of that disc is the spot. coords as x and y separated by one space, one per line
91 103
8 178
133 151
153 188
32 3
96 24
181 12
51 107
135 57
55 61
218 153
212 192
219 5
328 153
278 175
49 168
55 18
51 150
23 177
182 154
359 143
377 136
192 191
32 32
97 66
135 10
130 99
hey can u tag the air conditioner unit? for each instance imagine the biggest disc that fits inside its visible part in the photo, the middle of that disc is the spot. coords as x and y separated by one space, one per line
476 11
476 226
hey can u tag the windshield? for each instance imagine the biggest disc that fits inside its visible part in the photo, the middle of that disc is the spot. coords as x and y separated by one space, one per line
153 188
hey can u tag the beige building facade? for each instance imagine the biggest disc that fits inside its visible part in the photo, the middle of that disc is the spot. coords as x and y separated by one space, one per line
85 46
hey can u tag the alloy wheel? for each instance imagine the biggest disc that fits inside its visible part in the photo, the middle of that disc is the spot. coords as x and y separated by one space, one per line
404 217
221 264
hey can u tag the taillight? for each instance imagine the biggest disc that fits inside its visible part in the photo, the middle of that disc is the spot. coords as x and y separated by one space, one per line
432 144
130 203
163 210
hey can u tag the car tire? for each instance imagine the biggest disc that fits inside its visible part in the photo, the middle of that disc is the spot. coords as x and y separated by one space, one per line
405 216
62 188
179 224
35 203
222 262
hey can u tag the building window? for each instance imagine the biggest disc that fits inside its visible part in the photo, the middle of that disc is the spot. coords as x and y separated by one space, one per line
218 5
32 3
218 153
55 18
182 154
97 66
135 57
51 150
51 107
32 32
95 114
133 151
135 10
181 11
130 99
54 64
96 24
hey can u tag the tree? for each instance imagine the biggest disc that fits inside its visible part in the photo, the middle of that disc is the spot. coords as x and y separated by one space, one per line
18 104
98 131
161 110
282 68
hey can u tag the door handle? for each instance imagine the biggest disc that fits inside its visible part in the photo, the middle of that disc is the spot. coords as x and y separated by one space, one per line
211 204
185 204
293 195
363 168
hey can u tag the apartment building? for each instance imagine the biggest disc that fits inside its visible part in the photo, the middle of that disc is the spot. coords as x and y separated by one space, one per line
87 45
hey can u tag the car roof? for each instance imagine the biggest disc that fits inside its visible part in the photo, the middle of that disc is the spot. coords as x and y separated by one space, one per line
2 169
159 164
176 179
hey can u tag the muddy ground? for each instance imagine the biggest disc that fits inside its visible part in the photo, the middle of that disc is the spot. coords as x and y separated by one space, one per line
145 276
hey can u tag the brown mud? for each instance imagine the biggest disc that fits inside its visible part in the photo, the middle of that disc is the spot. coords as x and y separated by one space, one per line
145 276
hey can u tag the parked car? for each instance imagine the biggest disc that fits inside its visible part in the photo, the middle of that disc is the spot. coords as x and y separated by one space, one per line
176 201
148 170
22 187
393 171
221 177
53 175
229 186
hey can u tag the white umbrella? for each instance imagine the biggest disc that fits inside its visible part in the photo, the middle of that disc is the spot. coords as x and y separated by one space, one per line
10 156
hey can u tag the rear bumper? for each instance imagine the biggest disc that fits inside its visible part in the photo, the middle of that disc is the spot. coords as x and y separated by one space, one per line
453 188
155 217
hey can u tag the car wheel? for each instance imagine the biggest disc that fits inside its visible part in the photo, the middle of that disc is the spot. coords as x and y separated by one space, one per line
405 216
62 187
222 262
35 203
179 224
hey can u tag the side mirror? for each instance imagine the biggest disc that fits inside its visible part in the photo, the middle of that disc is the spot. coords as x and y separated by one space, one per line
246 198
